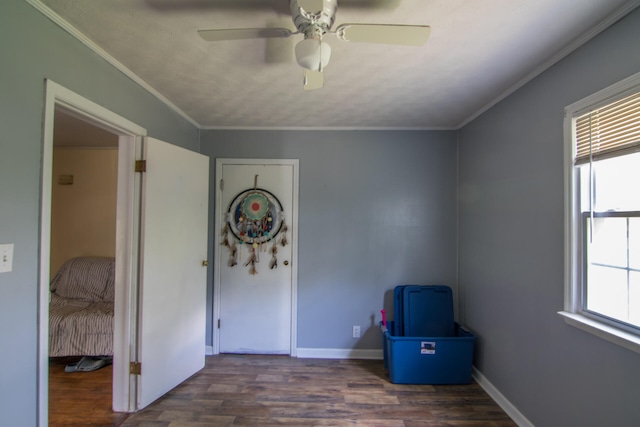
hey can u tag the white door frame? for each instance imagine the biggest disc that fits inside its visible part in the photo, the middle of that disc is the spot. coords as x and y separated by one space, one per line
218 255
130 135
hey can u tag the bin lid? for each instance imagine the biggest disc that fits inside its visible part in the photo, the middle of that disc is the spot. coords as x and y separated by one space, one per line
428 311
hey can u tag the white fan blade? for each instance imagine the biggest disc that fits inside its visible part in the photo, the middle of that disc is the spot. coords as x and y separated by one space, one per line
311 6
406 35
244 33
313 79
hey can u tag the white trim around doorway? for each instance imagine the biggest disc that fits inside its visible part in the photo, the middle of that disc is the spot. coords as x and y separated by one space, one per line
126 242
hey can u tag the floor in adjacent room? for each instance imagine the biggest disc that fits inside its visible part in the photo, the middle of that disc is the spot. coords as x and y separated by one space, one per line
253 390
80 398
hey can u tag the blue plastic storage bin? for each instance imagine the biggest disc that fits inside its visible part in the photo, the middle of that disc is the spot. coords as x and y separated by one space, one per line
428 360
398 310
427 311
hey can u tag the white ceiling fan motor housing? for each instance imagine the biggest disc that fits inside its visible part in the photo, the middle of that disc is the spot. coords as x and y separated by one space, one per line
316 20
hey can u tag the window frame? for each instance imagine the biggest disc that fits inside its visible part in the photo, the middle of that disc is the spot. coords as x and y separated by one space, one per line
573 313
585 218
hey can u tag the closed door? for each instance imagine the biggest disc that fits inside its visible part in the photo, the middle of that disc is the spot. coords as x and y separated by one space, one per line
256 247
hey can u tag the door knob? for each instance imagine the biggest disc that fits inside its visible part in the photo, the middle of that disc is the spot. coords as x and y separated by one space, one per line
286 263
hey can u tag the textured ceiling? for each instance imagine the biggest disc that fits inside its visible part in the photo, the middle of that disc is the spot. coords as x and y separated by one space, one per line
478 51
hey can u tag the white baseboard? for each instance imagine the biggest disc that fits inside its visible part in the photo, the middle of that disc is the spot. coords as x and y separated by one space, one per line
325 353
338 353
502 401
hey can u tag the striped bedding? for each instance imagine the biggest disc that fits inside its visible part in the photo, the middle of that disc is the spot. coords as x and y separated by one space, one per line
81 308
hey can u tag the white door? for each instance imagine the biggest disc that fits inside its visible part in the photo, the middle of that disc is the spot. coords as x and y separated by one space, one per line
172 310
256 296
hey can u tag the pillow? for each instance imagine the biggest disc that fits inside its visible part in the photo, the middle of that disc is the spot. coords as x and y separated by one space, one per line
85 279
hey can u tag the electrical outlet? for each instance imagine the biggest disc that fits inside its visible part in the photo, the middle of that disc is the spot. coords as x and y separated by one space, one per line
356 331
6 258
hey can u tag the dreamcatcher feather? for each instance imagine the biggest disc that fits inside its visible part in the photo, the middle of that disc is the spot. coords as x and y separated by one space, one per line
253 259
225 236
274 259
283 239
233 256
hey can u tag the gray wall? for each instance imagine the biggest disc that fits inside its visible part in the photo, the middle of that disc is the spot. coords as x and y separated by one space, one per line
511 248
376 209
31 49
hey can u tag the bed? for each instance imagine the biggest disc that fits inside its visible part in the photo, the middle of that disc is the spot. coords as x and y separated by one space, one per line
81 308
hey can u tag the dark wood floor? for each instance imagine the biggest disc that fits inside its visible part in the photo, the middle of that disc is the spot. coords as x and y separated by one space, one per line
243 390
80 398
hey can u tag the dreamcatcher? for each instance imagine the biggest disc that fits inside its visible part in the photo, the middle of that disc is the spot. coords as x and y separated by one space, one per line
254 219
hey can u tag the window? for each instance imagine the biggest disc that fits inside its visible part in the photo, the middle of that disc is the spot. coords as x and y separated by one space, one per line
602 168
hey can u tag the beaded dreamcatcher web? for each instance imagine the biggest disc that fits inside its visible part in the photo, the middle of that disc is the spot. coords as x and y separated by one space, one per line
254 219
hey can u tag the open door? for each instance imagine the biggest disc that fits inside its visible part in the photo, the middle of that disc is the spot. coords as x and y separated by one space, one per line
160 312
172 292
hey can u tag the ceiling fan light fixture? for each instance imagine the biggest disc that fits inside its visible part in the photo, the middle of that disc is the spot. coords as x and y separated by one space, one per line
314 19
313 54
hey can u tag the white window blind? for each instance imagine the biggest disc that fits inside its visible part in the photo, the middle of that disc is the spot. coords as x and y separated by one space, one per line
609 131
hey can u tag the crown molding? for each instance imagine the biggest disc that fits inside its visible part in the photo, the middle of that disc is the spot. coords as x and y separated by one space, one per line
571 47
330 128
58 20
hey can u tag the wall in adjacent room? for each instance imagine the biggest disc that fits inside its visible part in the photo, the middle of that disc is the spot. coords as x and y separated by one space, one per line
376 209
511 248
83 214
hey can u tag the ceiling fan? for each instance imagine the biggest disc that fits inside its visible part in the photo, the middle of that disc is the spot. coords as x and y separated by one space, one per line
313 19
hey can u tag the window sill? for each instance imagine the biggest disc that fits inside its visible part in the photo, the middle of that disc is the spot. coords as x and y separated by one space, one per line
609 333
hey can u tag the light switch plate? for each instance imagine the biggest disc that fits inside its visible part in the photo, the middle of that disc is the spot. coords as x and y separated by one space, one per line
6 258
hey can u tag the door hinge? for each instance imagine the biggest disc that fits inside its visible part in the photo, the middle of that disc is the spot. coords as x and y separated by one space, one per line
218 323
141 166
221 184
135 368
